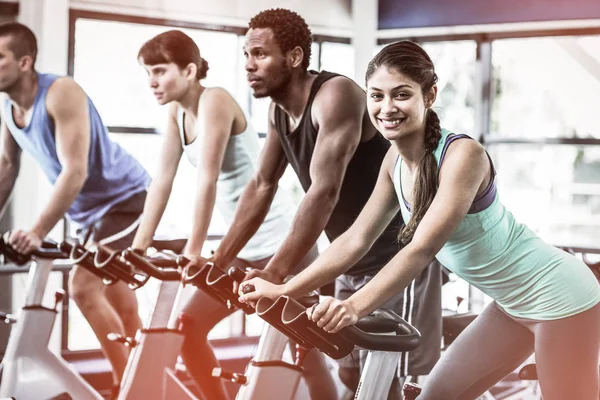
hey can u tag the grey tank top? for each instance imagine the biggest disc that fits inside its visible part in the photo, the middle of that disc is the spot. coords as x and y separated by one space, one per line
238 168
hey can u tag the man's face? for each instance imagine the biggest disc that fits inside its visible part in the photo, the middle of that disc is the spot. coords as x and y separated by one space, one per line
10 72
267 68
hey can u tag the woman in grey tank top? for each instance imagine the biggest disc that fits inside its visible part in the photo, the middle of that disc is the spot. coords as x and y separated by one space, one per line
216 136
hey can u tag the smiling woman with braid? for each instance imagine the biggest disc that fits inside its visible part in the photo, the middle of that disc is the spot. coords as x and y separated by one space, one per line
545 300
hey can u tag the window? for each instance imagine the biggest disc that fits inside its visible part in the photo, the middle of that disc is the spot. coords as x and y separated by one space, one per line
555 190
455 66
107 68
338 57
548 88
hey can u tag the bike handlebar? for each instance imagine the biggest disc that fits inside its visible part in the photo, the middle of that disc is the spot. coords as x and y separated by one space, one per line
49 251
218 284
163 269
371 332
110 270
382 331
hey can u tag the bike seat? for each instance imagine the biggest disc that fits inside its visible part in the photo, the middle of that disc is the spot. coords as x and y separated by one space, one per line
528 373
453 325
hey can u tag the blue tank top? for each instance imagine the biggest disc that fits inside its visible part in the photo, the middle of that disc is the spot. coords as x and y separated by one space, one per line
113 174
507 261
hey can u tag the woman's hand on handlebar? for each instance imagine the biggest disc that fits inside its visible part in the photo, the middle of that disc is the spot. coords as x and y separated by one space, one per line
24 242
332 314
262 288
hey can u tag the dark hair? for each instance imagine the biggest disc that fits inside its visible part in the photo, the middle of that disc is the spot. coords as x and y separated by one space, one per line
23 41
289 29
411 60
176 47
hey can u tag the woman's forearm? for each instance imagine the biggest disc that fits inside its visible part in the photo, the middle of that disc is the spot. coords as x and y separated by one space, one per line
391 280
206 194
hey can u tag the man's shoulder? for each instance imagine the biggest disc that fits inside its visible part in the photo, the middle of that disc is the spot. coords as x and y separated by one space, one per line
63 84
337 98
64 92
338 90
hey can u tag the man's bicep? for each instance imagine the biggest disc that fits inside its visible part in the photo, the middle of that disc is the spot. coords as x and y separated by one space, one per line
272 161
69 109
333 151
338 112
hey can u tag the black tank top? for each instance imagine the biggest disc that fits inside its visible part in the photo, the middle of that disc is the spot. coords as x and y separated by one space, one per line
359 181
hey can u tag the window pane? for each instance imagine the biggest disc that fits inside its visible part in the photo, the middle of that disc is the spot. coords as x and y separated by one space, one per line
555 190
338 57
314 56
107 68
546 87
455 66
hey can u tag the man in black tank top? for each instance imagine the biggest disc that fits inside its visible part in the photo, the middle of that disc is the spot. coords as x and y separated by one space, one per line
319 125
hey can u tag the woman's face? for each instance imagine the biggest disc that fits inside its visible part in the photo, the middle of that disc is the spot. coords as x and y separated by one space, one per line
396 104
167 81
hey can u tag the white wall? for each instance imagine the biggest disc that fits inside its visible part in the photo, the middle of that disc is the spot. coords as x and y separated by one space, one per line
323 16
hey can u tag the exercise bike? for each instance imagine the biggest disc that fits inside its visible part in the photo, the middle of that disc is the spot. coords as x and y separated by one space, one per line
384 334
165 333
29 369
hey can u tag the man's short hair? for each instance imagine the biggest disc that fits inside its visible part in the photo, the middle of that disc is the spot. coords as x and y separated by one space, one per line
289 28
22 42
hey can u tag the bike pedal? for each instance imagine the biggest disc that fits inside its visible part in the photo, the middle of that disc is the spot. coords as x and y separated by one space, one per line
411 390
7 318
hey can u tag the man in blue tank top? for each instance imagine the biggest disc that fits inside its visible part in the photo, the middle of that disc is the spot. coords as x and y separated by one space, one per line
318 123
96 183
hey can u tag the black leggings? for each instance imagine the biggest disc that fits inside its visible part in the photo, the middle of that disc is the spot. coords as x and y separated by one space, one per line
566 351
